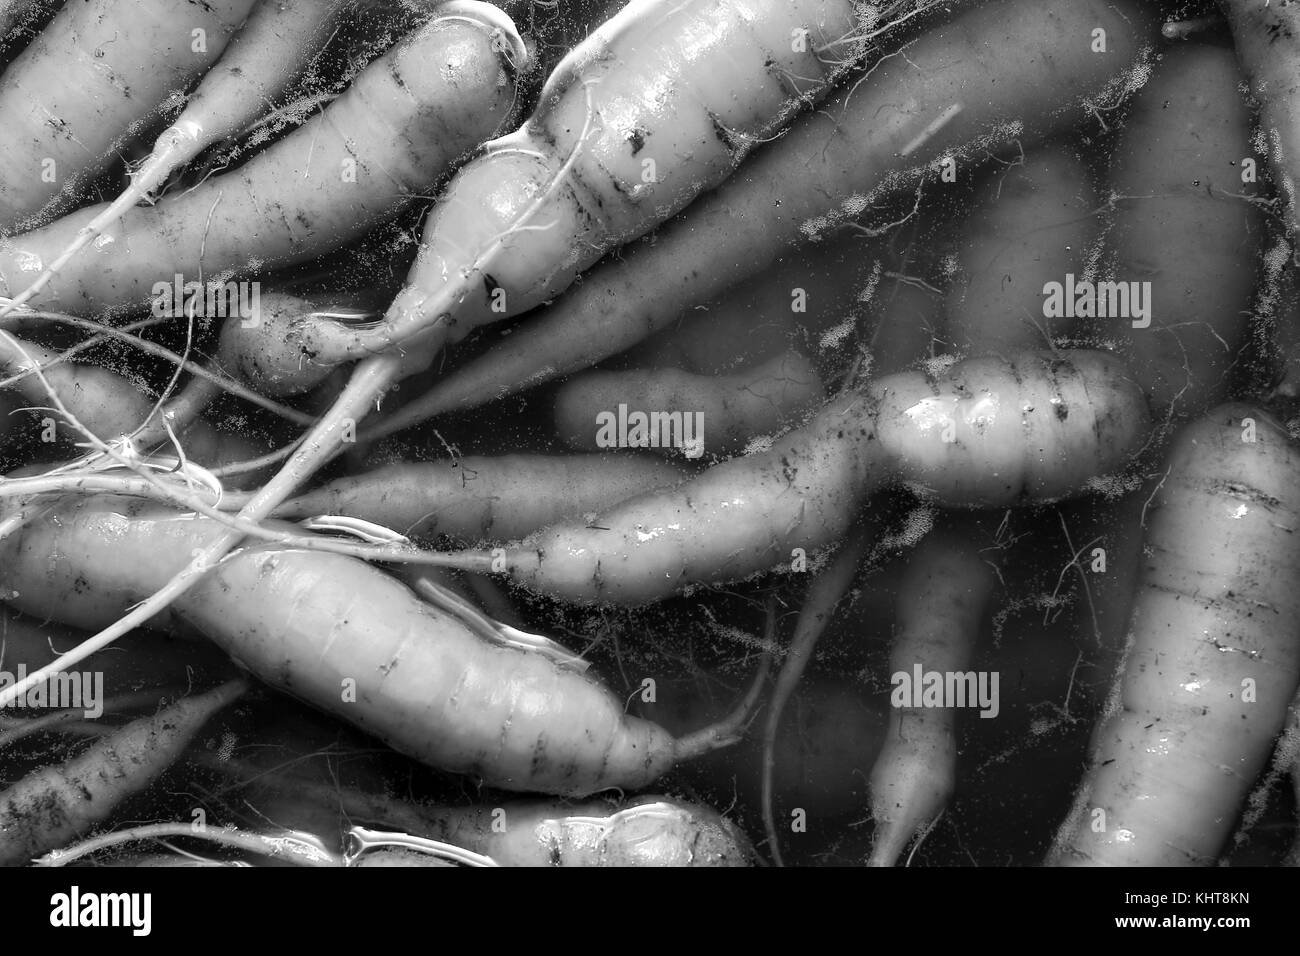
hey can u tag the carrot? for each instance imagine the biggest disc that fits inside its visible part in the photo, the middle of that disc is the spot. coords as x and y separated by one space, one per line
1185 230
953 93
1031 223
357 643
1266 37
650 830
516 226
500 498
718 415
275 44
644 831
253 352
1033 428
49 807
942 599
1212 660
367 156
99 67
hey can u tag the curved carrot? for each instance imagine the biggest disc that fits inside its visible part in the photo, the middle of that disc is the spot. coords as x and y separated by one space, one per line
1213 658
359 644
1033 428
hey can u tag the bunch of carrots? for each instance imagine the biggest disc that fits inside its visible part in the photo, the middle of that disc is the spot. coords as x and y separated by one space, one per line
428 362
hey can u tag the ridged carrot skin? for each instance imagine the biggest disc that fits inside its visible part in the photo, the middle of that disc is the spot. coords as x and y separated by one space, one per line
1213 656
353 641
990 432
